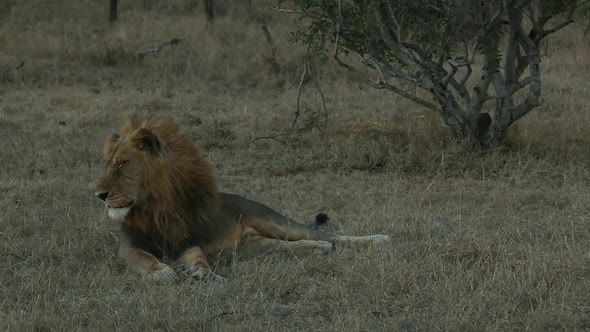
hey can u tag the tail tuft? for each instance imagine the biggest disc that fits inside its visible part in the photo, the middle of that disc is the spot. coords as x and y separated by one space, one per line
321 219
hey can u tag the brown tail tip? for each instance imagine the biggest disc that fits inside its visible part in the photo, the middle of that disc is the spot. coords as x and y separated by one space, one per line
321 219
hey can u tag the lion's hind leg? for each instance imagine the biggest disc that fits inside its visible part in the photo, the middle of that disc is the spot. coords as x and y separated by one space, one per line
196 265
251 239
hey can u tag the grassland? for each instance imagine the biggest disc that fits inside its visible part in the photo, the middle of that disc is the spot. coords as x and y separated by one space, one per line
498 241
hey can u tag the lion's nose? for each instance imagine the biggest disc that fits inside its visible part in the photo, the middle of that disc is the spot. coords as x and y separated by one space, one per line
103 196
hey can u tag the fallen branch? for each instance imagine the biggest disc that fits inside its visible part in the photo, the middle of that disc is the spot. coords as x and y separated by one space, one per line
309 125
155 50
276 136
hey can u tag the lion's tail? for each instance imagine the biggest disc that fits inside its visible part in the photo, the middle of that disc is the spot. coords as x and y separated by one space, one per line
320 219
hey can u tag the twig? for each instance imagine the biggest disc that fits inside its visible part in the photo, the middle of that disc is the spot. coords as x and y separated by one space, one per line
273 47
282 10
324 108
299 89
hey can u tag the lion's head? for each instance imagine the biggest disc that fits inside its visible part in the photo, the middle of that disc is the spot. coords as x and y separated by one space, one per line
154 177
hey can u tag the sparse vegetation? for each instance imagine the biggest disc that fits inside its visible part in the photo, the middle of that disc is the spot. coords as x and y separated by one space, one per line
494 241
436 45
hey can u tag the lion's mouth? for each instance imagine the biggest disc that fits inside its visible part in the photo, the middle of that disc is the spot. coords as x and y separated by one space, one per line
119 212
123 206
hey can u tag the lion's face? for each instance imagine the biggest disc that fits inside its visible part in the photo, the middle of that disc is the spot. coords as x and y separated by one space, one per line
120 185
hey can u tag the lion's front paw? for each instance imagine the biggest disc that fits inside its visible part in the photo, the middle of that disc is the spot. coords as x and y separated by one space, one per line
163 274
201 274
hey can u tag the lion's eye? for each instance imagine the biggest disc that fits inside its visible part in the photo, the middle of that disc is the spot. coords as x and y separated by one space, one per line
120 165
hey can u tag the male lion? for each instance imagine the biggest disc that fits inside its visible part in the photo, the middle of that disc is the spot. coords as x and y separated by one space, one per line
163 191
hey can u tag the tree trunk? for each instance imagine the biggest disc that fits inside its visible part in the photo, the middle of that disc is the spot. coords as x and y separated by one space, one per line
209 11
113 10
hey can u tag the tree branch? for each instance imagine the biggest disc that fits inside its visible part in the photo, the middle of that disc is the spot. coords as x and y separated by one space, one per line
534 83
299 90
459 86
370 61
338 32
521 63
480 95
400 52
283 10
511 58
274 61
395 21
504 101
451 111
519 85
542 32
387 86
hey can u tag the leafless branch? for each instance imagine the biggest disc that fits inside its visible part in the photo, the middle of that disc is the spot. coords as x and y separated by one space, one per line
339 23
534 93
273 48
467 74
159 47
461 90
521 84
521 63
556 28
397 23
416 49
323 97
494 19
468 62
299 90
450 74
387 86
283 10
390 70
459 86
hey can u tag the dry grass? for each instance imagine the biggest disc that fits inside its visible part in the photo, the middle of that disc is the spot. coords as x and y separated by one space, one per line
482 242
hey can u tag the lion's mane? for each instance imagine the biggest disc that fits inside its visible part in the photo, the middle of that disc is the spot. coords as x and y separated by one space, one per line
179 186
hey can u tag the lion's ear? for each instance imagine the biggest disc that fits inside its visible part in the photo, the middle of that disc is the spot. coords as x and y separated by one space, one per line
145 140
109 144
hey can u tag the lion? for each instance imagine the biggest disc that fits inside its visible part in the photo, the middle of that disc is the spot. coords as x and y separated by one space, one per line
164 193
